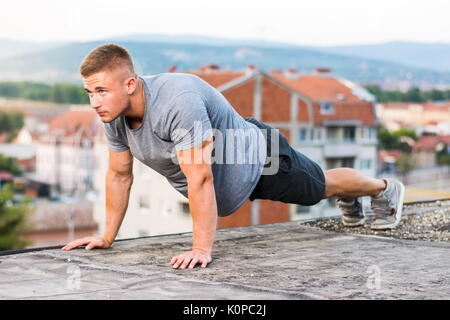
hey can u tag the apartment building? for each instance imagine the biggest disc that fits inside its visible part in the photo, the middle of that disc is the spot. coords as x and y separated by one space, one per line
333 122
64 154
330 120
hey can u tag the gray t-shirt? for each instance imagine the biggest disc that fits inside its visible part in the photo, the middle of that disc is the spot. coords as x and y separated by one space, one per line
181 111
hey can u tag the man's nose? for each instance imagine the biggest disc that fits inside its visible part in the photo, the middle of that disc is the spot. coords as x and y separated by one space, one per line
95 102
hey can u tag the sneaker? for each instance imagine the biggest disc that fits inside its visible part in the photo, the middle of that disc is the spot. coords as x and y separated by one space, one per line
352 213
388 206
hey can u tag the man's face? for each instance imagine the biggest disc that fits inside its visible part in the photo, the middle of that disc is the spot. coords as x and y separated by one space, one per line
108 94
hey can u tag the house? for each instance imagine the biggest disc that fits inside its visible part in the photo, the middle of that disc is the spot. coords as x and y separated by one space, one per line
429 117
388 159
424 150
56 223
64 155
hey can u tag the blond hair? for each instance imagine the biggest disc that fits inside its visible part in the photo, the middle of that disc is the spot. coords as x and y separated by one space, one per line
106 57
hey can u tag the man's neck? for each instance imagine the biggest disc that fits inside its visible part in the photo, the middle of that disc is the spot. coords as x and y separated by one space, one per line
137 104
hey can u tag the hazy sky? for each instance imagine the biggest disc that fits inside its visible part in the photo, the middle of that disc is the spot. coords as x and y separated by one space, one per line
312 22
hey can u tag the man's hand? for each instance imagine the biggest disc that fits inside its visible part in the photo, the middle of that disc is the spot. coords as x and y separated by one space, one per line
90 242
191 258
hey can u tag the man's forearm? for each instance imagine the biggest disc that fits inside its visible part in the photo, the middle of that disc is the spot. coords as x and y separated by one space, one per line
202 202
117 195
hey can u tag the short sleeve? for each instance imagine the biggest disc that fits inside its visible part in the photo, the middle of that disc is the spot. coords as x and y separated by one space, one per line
188 121
115 139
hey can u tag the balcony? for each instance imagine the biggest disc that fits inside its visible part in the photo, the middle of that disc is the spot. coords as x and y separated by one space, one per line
338 148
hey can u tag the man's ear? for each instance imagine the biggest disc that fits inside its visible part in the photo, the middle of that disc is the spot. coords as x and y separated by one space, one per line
131 85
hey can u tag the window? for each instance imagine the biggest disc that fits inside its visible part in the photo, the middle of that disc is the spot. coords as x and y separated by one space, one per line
326 107
332 201
144 201
303 134
184 208
301 209
349 134
315 134
365 164
347 162
333 133
340 163
142 233
318 133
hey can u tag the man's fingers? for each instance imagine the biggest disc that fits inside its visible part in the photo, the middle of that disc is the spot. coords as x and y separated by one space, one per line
72 245
182 261
90 246
77 243
186 262
177 261
193 263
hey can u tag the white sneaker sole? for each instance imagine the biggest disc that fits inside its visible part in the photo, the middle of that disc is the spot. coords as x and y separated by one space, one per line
354 224
398 213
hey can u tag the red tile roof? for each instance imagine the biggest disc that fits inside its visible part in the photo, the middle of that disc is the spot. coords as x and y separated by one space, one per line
427 106
429 143
6 176
347 106
359 110
318 88
73 119
430 106
385 155
217 78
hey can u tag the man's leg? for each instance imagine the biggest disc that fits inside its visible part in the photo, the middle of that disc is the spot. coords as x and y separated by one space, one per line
350 183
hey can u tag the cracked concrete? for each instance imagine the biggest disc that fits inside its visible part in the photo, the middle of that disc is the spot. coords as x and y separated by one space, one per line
278 261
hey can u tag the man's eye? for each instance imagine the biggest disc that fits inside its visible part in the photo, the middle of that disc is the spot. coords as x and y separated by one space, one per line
102 91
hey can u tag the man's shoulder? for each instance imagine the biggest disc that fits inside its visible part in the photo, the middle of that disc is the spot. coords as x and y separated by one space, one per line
170 76
168 85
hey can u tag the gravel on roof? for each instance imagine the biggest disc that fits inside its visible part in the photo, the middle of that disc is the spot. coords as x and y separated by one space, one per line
427 221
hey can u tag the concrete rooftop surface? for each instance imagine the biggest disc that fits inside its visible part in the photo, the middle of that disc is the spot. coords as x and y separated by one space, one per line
277 261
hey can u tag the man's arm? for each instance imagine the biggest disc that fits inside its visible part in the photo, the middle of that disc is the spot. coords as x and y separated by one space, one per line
119 179
196 166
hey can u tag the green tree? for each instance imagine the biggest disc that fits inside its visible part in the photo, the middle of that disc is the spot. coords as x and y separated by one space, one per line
13 221
60 93
387 140
433 95
9 164
393 96
6 124
404 132
404 164
443 154
413 95
400 139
